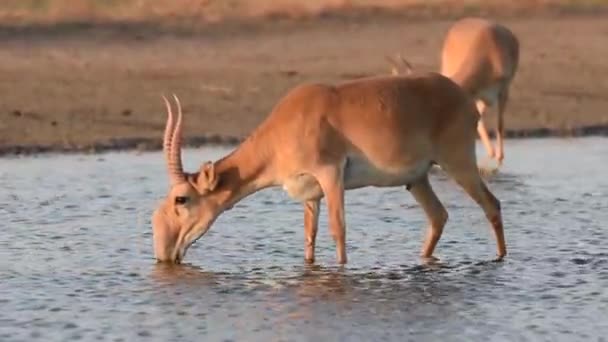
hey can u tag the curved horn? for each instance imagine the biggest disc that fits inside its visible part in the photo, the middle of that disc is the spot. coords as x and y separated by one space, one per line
176 170
407 64
176 175
395 67
168 130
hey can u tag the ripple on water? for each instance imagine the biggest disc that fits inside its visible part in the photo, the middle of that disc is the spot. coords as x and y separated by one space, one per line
76 262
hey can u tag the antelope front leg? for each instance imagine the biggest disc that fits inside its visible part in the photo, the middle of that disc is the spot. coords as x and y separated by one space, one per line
437 215
500 129
482 130
471 182
311 223
332 183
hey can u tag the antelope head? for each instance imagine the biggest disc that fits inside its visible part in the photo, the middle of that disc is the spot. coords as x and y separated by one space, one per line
189 209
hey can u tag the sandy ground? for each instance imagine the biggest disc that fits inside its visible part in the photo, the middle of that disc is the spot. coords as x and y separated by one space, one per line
93 87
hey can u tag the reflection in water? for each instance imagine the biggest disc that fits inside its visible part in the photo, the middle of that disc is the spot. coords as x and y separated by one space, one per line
76 258
413 292
183 275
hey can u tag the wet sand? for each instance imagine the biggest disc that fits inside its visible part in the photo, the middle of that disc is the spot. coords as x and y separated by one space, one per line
95 87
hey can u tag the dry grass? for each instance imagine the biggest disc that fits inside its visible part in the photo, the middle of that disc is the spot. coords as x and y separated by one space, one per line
58 11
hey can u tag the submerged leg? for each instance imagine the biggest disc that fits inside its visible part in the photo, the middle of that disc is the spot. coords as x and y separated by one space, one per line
435 211
311 224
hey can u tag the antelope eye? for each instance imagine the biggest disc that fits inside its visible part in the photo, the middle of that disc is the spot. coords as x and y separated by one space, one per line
181 199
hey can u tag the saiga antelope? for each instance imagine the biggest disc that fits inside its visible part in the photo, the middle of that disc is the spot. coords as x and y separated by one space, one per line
482 57
320 140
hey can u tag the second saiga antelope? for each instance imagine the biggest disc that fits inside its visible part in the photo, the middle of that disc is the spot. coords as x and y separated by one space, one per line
482 57
323 139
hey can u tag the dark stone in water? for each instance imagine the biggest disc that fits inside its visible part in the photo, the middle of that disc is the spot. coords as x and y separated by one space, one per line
580 261
70 326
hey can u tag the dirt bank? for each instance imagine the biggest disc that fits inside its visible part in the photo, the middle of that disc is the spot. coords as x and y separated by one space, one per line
89 87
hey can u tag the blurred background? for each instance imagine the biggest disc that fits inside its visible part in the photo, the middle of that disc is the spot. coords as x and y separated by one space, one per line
76 256
88 74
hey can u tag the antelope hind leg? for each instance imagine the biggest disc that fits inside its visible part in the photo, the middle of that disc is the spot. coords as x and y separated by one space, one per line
436 214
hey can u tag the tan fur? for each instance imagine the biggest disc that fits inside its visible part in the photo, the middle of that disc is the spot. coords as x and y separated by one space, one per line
482 57
323 139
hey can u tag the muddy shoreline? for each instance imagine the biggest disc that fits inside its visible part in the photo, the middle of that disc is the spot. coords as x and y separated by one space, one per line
151 144
93 88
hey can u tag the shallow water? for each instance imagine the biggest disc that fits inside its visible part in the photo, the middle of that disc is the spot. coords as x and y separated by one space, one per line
76 261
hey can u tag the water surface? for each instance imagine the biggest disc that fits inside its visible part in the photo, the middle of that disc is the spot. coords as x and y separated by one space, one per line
76 261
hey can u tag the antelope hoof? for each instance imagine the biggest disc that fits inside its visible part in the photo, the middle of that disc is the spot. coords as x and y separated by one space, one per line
309 254
499 258
429 259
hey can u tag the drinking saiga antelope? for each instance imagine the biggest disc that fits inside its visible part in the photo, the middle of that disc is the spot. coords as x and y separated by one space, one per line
482 57
322 139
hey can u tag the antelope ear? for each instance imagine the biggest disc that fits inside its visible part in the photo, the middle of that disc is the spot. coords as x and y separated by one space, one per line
207 178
